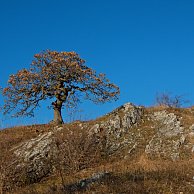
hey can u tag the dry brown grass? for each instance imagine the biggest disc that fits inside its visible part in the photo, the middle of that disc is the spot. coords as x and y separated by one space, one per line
80 156
135 177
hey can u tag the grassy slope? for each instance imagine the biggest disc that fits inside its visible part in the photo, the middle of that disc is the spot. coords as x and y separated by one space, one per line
137 175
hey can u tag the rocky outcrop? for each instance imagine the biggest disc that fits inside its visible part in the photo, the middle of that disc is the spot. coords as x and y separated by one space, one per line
128 130
32 159
37 148
117 125
169 136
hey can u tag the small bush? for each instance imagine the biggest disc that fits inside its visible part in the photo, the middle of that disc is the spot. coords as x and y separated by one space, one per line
77 150
169 100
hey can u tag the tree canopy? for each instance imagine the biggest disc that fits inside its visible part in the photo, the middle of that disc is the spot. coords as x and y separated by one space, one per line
62 76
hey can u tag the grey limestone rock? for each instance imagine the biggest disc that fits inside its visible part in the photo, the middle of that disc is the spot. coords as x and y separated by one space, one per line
117 125
169 136
168 123
33 158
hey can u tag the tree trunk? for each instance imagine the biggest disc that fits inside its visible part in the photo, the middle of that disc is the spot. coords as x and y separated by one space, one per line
57 106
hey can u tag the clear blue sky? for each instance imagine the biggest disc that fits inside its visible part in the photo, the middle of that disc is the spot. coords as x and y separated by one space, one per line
143 46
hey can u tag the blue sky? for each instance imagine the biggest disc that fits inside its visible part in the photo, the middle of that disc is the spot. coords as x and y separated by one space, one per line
144 47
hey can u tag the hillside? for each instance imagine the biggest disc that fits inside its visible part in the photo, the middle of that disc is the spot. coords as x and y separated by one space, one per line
132 149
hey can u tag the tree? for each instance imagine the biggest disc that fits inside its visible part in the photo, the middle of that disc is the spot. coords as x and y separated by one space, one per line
62 76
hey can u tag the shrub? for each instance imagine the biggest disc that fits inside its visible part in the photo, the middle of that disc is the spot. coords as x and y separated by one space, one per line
169 100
